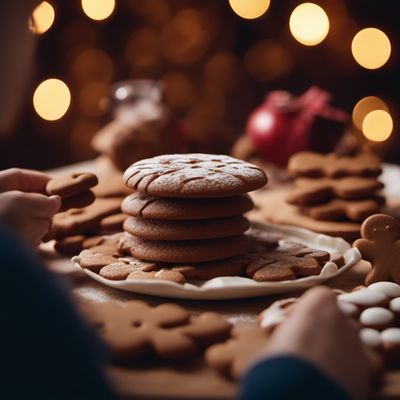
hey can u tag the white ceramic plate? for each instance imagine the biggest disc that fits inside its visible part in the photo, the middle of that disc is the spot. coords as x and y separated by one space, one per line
233 287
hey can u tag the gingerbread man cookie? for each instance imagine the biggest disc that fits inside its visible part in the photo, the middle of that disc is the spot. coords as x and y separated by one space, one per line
135 330
233 357
380 245
338 209
307 163
313 191
287 262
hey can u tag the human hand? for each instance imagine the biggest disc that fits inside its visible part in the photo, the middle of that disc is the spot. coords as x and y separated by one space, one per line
23 204
318 332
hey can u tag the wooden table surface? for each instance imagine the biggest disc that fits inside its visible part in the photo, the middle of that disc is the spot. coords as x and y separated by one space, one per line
195 380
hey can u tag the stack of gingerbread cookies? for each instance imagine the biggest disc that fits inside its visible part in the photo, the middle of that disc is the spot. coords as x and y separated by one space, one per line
337 190
188 208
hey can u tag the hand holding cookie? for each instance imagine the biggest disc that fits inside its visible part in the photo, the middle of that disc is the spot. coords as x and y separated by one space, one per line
24 206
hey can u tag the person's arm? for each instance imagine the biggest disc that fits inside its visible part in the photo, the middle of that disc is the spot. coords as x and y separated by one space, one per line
47 352
315 354
288 377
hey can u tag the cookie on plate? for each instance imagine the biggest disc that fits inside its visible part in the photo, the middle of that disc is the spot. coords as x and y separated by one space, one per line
176 209
194 176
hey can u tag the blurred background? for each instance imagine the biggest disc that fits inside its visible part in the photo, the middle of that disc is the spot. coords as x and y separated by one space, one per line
217 58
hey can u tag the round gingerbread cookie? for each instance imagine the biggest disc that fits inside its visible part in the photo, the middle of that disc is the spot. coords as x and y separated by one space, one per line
194 176
173 209
183 251
186 230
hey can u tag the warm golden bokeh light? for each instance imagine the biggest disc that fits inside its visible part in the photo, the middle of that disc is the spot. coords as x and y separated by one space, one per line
249 9
377 125
365 106
51 99
98 9
371 48
43 17
309 24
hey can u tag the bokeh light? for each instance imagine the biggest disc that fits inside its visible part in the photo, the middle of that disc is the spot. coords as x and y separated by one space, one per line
98 9
377 125
51 99
365 106
249 9
309 24
371 48
43 17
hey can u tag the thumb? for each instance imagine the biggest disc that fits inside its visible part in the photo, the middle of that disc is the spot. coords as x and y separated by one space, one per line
54 204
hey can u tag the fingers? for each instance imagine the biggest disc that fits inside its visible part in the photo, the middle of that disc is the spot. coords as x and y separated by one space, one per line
40 206
23 180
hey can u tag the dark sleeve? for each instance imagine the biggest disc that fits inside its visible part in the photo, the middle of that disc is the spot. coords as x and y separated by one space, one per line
47 352
285 377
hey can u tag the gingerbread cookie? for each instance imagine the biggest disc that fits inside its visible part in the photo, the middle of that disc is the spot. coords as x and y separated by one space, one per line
186 230
70 245
183 251
78 221
338 209
71 185
273 207
380 245
150 207
80 200
139 270
113 223
287 263
194 176
135 330
333 165
314 191
232 358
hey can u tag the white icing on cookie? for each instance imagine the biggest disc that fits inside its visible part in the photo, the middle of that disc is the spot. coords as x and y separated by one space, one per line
371 338
349 309
364 297
376 317
391 289
391 335
394 305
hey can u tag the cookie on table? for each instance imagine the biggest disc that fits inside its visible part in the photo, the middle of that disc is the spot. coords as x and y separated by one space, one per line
232 358
338 209
135 331
274 209
313 191
194 176
184 251
150 207
380 245
186 230
332 165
